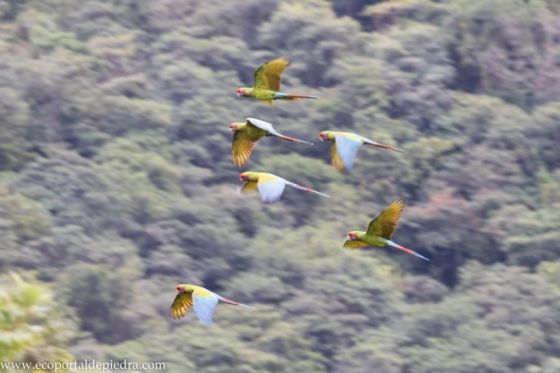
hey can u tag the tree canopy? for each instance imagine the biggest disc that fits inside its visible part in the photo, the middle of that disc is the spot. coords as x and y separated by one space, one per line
116 183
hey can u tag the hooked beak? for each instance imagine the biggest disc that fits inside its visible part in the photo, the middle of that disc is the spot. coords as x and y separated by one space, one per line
179 289
322 137
242 177
351 236
239 93
232 127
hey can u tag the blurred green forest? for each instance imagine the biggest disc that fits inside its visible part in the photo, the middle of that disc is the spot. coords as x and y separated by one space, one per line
116 183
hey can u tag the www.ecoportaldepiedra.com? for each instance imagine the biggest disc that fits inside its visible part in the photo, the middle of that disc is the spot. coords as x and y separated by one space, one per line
82 365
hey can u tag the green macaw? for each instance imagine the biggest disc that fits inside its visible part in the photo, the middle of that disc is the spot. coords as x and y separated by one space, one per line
269 186
380 230
267 83
245 135
202 300
345 146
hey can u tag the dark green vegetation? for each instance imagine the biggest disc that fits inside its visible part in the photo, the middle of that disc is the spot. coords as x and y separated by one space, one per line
116 183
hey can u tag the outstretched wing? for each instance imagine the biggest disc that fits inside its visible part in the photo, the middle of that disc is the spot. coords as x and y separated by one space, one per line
335 159
345 151
270 187
261 124
241 148
204 304
269 128
181 305
355 244
384 223
248 186
267 76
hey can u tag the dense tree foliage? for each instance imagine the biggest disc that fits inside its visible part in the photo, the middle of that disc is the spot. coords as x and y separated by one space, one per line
33 326
116 183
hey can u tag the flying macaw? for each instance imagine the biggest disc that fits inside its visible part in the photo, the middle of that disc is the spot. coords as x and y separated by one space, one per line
345 146
245 135
269 186
379 231
202 300
267 83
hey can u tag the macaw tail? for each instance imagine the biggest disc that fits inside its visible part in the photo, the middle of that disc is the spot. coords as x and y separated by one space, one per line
293 139
229 301
408 251
295 97
306 189
285 96
383 146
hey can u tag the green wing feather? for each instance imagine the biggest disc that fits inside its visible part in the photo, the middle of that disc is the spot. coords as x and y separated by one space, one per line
249 186
181 305
385 222
267 76
241 148
335 158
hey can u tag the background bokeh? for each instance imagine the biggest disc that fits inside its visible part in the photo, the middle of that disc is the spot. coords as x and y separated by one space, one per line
116 183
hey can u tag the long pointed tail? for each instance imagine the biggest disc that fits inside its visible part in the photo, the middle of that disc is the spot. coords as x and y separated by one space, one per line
229 301
306 189
408 251
294 97
293 139
382 146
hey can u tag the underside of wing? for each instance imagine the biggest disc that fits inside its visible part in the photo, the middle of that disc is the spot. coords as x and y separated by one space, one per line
385 222
181 305
271 189
347 149
355 244
267 76
241 148
204 306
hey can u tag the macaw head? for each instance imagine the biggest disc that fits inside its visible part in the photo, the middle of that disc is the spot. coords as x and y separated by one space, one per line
248 176
242 92
183 288
325 136
352 235
235 126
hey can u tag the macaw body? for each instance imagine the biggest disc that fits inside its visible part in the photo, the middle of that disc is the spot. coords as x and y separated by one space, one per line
202 300
380 230
269 186
267 83
246 134
268 95
345 146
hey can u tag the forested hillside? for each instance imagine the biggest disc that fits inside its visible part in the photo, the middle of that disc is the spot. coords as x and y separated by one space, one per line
116 183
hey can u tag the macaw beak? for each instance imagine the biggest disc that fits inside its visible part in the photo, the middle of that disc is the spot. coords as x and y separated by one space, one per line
351 236
232 127
242 177
322 137
179 289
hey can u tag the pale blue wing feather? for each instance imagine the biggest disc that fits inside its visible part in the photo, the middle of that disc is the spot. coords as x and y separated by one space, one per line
204 307
262 125
347 150
271 190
